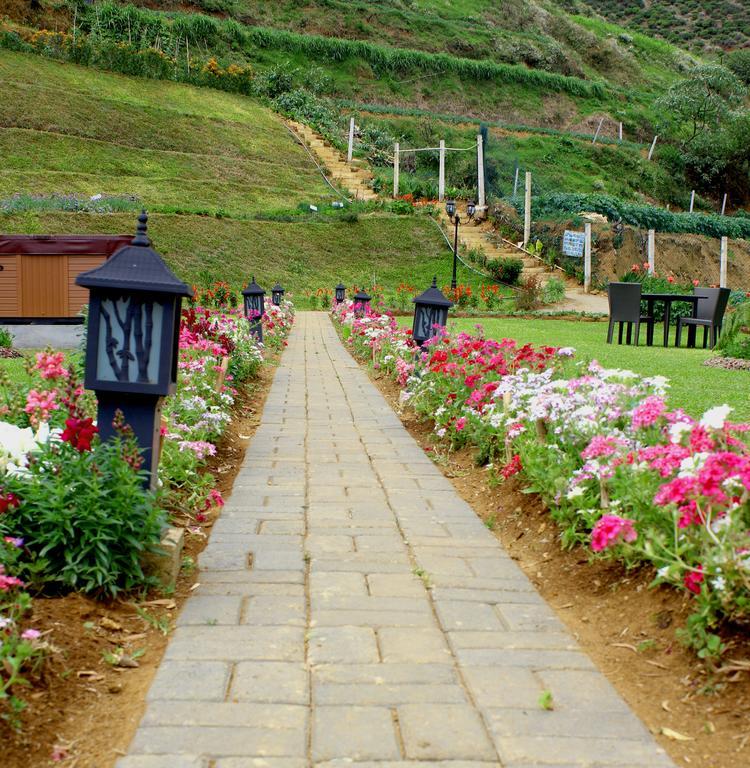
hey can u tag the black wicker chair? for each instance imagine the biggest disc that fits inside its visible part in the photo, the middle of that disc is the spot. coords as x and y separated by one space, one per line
709 315
625 307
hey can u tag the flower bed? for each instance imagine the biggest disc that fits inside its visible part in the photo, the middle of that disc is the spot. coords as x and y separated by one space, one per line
620 471
73 511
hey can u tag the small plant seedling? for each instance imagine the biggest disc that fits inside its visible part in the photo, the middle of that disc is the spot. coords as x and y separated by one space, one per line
422 574
212 622
188 564
646 645
157 622
491 522
545 701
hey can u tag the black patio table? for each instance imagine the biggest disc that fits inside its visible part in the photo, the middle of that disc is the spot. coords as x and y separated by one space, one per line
668 299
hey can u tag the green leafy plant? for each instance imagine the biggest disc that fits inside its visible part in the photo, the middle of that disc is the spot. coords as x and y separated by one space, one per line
506 269
553 291
85 517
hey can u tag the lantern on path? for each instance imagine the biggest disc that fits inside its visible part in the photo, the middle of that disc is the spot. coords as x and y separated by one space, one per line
132 340
430 312
255 308
361 303
277 294
340 293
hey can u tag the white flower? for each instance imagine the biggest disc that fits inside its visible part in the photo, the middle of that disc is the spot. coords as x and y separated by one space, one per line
690 465
714 418
440 432
575 493
677 430
566 351
719 583
663 573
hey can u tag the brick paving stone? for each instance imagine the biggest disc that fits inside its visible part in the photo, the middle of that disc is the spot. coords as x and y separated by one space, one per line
342 645
270 681
444 732
191 681
354 733
377 623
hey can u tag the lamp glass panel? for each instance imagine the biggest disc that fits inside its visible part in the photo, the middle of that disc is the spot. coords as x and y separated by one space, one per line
129 343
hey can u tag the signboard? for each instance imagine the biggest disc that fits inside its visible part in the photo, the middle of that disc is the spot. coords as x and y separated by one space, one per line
573 243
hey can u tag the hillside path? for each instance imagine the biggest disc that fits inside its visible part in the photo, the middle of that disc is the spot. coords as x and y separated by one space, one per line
354 611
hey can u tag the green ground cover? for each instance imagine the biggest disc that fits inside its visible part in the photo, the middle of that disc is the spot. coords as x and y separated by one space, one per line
72 130
694 387
381 248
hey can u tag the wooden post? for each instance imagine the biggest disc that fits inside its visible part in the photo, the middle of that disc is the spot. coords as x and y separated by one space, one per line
653 146
515 184
724 204
441 172
395 169
598 128
723 262
692 200
527 211
587 258
350 151
480 173
621 131
651 251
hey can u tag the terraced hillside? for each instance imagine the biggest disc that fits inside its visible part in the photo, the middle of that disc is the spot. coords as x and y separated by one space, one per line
187 152
697 24
69 130
525 61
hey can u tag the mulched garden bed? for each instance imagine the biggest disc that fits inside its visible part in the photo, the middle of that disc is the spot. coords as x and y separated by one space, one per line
730 363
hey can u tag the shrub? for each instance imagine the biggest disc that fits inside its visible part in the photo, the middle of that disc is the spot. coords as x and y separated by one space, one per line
553 291
529 293
84 516
506 270
6 339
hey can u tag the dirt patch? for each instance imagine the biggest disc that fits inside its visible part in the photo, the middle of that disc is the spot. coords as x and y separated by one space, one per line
625 627
85 709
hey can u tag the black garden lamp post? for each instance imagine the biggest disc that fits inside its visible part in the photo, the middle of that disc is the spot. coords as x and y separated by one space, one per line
277 294
255 308
450 209
361 302
132 340
431 309
340 293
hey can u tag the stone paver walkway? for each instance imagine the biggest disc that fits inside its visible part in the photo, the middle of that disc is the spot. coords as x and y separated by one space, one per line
353 610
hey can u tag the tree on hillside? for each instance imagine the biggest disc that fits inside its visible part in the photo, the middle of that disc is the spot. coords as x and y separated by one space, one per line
704 117
702 101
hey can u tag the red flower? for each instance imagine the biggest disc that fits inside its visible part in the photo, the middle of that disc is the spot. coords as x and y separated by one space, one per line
693 580
513 467
7 501
79 433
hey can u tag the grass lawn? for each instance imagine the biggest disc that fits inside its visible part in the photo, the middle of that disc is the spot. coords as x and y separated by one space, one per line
15 368
694 387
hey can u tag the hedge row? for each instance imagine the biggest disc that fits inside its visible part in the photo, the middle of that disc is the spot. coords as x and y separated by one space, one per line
128 22
638 215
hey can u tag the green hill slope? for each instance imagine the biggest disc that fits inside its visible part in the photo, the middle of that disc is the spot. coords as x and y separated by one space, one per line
72 130
186 151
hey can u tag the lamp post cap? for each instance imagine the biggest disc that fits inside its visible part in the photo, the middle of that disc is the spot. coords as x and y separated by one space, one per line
278 287
135 267
433 296
253 289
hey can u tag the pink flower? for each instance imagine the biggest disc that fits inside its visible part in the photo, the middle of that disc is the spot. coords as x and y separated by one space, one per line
460 424
647 413
610 530
50 365
601 445
693 580
31 634
40 404
513 467
8 582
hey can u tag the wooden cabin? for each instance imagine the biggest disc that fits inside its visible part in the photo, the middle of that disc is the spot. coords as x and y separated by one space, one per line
38 273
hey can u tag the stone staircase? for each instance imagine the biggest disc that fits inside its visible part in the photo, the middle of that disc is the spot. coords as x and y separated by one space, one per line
353 178
476 235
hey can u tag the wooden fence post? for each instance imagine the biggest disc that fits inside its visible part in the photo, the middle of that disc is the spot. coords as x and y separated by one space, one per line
481 204
620 131
527 211
395 169
350 151
441 172
724 204
587 258
651 251
598 128
723 262
653 146
515 184
692 200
